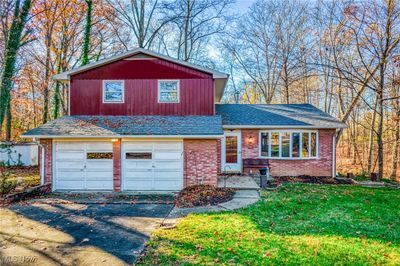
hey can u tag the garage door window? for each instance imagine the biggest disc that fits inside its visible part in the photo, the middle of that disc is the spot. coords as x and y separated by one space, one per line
138 155
99 155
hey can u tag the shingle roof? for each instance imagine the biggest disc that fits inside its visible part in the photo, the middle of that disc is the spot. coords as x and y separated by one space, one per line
276 115
109 126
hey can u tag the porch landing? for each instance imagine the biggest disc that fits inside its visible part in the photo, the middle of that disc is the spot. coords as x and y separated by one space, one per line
237 182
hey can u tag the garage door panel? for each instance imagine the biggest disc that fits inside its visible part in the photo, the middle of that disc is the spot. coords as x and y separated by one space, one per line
70 165
99 185
99 146
99 165
167 155
70 175
75 172
132 165
137 146
70 185
162 171
70 146
139 185
171 164
138 174
168 146
70 155
101 176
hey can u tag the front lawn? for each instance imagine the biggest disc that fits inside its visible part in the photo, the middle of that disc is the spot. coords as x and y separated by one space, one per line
299 224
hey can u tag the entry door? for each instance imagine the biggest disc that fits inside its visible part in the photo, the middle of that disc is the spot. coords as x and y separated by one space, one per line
232 152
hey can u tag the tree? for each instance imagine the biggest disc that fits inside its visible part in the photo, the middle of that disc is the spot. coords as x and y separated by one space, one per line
142 18
88 26
12 45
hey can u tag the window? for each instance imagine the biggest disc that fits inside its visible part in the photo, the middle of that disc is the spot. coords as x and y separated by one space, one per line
138 155
289 144
168 91
264 144
231 154
113 91
99 155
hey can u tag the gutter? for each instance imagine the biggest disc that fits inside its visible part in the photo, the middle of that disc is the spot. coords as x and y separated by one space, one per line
280 127
124 136
41 162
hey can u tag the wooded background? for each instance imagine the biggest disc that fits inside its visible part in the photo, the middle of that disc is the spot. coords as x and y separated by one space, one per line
341 56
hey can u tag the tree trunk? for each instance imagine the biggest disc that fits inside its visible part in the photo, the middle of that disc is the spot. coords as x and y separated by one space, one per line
11 50
395 152
9 122
380 121
88 26
371 138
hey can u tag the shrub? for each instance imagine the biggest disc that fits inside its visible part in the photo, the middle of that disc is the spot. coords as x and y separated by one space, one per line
6 183
202 195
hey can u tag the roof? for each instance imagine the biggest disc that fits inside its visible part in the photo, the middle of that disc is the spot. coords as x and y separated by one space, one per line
129 126
275 116
220 78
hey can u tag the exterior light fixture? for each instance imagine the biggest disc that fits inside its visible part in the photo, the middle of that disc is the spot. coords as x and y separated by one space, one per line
114 140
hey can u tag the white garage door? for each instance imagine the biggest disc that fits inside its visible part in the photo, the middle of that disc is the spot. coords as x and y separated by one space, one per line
152 165
83 165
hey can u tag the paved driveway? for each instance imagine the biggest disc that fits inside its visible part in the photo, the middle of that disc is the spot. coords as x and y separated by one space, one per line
65 233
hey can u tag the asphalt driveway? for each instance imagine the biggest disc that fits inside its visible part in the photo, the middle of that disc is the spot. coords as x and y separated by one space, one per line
77 233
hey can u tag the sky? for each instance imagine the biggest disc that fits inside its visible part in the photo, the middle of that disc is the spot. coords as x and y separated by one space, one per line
242 5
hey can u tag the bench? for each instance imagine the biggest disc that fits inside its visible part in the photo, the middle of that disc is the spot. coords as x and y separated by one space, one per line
255 163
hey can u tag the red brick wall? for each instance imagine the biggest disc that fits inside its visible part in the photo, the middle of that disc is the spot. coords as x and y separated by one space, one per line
283 167
250 143
200 162
117 165
48 159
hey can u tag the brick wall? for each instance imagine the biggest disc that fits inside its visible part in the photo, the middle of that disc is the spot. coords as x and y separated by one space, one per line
286 167
200 162
48 159
117 165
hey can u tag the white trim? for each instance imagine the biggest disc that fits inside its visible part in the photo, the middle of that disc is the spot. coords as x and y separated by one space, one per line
69 98
126 136
178 89
291 131
334 155
279 127
123 91
233 167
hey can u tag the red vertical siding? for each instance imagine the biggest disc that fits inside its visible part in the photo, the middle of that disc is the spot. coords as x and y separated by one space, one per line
141 89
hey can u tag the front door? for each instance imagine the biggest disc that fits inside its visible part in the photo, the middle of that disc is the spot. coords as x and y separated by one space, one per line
231 152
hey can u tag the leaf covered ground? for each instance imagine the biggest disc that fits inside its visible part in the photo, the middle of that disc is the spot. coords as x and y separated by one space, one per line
296 225
203 195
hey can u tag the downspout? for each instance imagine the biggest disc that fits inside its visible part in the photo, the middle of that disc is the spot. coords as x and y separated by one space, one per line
334 155
41 162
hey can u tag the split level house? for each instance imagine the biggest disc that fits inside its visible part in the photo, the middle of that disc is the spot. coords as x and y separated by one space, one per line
142 121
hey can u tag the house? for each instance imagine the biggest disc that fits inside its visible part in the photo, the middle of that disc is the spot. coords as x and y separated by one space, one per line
145 121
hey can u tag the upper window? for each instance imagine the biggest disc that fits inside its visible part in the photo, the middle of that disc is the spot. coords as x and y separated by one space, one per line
113 91
168 91
289 144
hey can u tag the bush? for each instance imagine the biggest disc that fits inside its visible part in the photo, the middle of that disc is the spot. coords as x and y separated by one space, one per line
6 183
202 195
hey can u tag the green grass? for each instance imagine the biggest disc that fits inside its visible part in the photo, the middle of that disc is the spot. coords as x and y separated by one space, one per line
297 225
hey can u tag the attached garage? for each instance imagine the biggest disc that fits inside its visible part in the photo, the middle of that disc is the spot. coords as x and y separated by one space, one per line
152 165
83 165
